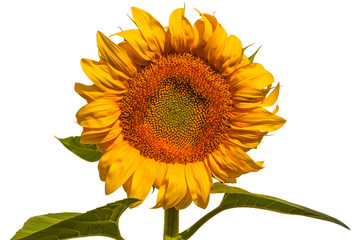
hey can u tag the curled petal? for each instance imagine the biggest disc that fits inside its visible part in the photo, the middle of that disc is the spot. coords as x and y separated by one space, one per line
181 31
152 31
116 56
135 39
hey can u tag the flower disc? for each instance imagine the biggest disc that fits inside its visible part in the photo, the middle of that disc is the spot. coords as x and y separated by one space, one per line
177 109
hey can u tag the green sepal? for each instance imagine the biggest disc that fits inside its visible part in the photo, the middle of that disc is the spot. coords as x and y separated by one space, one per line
247 47
252 57
102 221
87 152
236 197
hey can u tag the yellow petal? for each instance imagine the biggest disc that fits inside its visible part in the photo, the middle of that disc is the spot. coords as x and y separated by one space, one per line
202 32
152 31
246 139
249 97
185 202
235 163
107 146
250 76
89 93
181 31
135 56
107 159
160 174
173 189
231 56
142 180
98 114
275 110
216 42
101 76
135 39
199 181
101 135
227 164
116 56
218 171
265 121
238 157
272 98
124 163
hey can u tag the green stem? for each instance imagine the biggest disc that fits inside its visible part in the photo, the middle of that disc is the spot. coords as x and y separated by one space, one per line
191 230
171 224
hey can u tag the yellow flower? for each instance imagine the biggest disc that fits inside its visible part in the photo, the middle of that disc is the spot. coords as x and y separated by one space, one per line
172 107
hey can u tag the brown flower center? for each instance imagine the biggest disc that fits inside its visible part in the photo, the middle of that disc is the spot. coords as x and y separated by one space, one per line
176 109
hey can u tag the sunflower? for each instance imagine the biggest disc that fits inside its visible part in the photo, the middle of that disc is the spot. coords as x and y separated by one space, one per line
173 107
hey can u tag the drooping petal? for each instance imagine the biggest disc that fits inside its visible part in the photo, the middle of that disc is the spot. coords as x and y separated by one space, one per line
199 181
173 188
185 202
152 31
116 56
181 31
142 180
124 163
160 174
109 157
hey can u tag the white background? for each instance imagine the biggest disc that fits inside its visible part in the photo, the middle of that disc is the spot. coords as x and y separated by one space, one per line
311 47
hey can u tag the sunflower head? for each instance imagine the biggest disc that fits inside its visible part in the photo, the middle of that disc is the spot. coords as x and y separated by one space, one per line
174 107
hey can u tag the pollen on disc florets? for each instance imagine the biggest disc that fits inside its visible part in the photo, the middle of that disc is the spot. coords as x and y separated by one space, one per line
176 109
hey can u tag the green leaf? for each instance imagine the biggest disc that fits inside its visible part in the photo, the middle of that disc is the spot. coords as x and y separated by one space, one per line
236 197
87 152
101 221
252 57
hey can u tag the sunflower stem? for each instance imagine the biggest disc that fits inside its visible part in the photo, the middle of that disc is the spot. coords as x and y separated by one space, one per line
171 223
